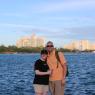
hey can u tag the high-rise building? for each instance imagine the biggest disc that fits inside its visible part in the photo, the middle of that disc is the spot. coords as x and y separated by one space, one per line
40 42
32 41
85 45
23 42
92 46
80 45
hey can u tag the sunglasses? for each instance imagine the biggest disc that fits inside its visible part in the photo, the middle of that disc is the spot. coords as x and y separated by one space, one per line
49 46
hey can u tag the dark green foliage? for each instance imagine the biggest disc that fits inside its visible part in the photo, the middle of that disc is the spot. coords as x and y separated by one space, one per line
14 49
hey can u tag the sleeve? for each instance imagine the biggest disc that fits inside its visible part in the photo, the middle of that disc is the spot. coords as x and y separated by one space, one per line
62 58
36 66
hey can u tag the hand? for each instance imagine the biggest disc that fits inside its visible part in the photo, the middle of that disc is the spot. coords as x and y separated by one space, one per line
49 72
63 82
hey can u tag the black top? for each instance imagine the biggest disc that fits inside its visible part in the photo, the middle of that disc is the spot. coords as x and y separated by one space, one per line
43 67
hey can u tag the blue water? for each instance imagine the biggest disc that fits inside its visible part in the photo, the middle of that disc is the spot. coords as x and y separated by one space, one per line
16 74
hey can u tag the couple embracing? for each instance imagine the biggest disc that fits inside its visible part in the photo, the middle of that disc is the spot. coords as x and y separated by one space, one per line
50 72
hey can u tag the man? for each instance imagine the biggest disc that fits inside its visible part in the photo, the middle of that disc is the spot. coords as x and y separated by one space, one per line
57 78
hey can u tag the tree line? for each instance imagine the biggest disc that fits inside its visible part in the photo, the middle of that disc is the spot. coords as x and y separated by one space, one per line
14 49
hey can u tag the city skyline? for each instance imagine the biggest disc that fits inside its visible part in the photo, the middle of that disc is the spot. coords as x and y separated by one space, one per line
80 45
60 21
39 41
31 41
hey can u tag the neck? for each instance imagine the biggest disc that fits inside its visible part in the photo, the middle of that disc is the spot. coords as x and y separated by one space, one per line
42 59
50 52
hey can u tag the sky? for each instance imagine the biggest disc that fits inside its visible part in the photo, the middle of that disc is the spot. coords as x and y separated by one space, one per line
61 21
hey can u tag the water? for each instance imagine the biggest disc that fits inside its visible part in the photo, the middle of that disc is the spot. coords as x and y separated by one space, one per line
16 74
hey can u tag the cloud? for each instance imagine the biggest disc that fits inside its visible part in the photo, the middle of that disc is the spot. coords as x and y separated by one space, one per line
64 6
13 14
15 25
69 18
54 6
75 33
87 32
28 28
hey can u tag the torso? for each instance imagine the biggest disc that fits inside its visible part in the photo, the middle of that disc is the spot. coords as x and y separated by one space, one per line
43 67
57 72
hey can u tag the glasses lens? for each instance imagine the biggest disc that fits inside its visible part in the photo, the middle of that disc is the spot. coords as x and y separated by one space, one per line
49 45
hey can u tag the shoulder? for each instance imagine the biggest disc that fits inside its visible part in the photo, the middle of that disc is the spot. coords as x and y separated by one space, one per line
37 62
60 53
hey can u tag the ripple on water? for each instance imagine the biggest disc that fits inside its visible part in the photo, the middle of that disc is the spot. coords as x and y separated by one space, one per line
16 74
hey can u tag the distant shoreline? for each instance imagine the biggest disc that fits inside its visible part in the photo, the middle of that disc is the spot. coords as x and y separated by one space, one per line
39 52
24 50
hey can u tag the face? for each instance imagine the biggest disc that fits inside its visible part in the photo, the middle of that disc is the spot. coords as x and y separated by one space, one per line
49 47
44 56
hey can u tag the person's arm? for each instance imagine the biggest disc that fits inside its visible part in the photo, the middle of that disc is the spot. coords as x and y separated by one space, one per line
37 69
63 63
42 73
